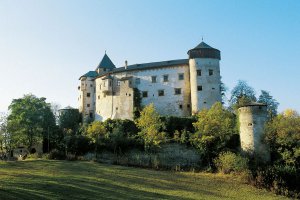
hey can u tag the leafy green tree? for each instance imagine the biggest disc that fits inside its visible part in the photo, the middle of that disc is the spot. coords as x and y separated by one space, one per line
271 103
151 127
30 120
4 135
283 135
241 94
69 120
97 133
214 129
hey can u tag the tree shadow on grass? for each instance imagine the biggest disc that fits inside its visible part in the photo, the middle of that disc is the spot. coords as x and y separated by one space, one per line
40 179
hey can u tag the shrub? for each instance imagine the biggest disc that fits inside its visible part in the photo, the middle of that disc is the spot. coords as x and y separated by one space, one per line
57 155
34 156
280 179
228 162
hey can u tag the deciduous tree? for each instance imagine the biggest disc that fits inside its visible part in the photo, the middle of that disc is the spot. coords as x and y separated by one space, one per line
29 120
214 128
271 103
151 127
241 94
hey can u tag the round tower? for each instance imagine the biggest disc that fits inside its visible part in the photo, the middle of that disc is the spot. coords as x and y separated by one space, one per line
252 118
205 76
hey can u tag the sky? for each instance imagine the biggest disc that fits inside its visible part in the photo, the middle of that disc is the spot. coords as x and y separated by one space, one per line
45 46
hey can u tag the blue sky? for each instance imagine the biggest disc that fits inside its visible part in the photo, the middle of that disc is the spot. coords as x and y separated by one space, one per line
46 45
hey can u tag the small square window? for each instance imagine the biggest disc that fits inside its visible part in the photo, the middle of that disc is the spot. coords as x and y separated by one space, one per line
210 72
153 79
88 94
91 85
161 93
98 96
199 87
166 78
180 106
144 94
181 76
117 108
188 106
88 105
199 72
137 81
177 91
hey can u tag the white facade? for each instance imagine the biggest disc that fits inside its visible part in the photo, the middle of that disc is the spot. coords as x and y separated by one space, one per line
205 83
252 120
172 86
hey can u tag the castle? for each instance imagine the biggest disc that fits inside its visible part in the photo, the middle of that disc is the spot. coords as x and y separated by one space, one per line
176 87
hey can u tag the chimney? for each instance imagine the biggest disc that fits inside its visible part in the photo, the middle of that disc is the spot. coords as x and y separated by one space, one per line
126 64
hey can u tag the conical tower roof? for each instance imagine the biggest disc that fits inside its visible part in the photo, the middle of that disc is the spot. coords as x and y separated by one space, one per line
106 63
203 50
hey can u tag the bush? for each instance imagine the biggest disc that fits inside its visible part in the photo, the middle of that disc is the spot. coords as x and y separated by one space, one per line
280 179
34 156
56 155
228 162
180 124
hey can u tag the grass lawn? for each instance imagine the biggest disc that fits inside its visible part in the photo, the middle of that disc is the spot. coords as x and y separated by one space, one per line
47 179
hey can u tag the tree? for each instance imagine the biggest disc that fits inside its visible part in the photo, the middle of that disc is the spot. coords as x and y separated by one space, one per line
4 135
69 120
283 135
97 133
214 129
151 127
241 94
30 120
271 103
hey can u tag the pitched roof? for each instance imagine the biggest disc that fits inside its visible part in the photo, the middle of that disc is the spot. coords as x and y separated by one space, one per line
106 63
146 66
203 45
152 65
91 74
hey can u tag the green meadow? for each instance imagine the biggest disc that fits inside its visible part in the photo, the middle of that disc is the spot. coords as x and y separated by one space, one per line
48 179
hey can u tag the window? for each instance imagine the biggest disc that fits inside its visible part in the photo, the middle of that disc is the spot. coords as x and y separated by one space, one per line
117 108
213 88
210 72
188 106
166 78
100 86
88 94
137 81
199 87
109 83
161 93
91 115
104 69
98 96
118 83
153 79
91 85
199 72
177 91
180 106
78 87
180 76
144 94
88 105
